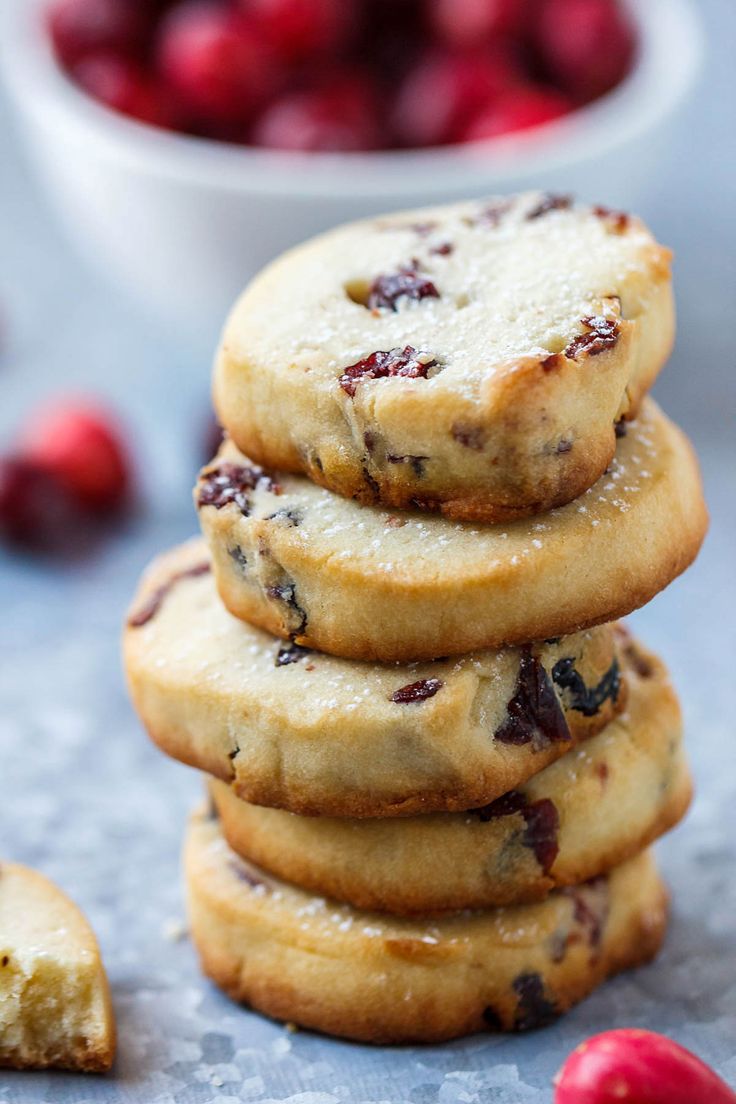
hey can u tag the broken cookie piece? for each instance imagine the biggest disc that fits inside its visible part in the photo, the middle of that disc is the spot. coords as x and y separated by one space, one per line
55 1009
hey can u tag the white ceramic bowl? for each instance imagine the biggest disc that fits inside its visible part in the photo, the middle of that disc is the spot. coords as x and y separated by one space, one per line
183 222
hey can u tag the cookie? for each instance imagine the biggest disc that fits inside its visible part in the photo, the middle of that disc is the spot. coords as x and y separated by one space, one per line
314 734
55 1008
357 581
380 979
472 358
588 812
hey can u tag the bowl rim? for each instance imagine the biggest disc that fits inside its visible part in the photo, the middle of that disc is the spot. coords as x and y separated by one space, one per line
669 56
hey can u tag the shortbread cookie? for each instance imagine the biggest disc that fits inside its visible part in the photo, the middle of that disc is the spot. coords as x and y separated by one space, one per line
472 358
315 734
382 979
55 1006
588 812
356 581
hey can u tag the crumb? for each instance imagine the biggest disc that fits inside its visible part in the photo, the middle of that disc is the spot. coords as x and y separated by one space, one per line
174 929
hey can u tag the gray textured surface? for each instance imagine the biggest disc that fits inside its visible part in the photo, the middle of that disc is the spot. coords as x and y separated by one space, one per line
89 802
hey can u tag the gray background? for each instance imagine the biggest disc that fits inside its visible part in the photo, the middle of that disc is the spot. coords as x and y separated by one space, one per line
87 800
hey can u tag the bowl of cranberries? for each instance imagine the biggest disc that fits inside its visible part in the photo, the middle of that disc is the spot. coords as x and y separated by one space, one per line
186 142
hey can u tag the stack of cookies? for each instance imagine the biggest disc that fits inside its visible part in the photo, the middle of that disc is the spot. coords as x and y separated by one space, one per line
436 761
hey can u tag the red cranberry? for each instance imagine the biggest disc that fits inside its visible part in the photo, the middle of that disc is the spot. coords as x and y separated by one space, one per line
126 87
384 364
298 29
631 1064
586 46
34 510
215 62
471 21
341 116
388 289
77 446
446 89
520 109
81 27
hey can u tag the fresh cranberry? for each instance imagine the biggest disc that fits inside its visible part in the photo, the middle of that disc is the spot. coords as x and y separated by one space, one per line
34 510
392 36
341 116
299 29
446 89
215 62
77 446
471 21
585 46
124 86
520 109
630 1064
82 27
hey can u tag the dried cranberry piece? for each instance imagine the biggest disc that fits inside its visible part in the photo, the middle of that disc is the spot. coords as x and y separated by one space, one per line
638 661
444 249
492 1018
542 826
286 593
505 805
491 214
153 603
405 362
541 821
586 699
290 653
422 229
238 556
550 202
592 920
417 463
230 483
417 691
245 874
372 483
472 437
407 283
534 713
618 220
602 333
534 1009
290 516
